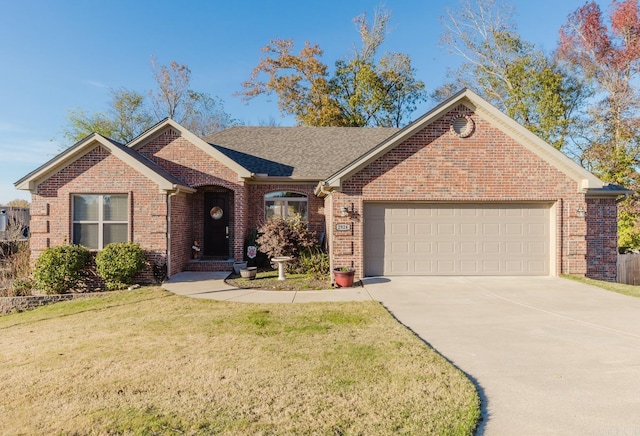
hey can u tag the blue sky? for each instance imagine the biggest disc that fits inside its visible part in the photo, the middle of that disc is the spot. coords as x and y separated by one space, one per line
64 54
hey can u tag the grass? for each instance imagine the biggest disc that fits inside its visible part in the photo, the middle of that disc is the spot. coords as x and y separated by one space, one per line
620 288
269 280
150 362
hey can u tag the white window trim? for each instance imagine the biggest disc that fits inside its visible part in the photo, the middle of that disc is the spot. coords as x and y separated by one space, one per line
287 200
101 221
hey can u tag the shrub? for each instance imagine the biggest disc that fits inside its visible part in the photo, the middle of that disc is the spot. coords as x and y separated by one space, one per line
58 270
118 264
285 237
14 269
313 262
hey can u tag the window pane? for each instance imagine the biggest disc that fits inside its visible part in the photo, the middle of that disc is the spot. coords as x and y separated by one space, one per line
284 194
299 208
115 208
114 233
86 235
274 209
85 207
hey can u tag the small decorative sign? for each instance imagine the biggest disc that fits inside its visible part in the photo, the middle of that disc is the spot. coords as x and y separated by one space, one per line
252 251
343 227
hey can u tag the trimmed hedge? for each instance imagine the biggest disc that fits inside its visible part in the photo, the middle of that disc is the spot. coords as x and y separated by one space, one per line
119 263
58 270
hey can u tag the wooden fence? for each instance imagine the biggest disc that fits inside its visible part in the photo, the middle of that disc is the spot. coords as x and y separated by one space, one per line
629 269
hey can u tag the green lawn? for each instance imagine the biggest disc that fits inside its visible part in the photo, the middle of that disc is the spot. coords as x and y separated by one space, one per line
620 288
150 362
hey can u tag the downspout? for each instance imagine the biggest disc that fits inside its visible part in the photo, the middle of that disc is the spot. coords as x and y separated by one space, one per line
168 233
168 238
624 197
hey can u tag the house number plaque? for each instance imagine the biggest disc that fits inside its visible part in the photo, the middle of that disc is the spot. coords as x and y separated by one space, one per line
343 227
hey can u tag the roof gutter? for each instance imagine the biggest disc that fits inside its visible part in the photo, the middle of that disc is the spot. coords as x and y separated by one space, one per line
322 191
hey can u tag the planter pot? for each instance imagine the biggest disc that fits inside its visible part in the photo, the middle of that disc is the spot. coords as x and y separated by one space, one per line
249 273
343 279
237 266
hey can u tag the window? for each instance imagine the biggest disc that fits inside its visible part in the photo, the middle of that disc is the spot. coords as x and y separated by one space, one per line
285 204
100 219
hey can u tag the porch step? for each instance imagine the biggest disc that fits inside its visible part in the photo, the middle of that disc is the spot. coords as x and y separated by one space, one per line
209 265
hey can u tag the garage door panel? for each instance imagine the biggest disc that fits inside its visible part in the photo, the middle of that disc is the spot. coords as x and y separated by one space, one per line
400 229
401 266
536 229
468 229
514 247
490 267
499 239
491 248
469 247
445 247
424 265
423 247
514 229
445 267
399 248
491 229
469 267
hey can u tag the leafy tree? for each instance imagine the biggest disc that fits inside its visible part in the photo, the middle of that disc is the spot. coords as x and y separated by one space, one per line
365 90
130 113
19 202
509 71
125 119
607 55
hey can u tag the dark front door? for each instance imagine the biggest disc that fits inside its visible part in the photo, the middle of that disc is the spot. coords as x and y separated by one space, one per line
216 225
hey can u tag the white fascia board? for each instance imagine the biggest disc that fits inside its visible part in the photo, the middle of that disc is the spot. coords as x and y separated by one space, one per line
77 151
61 160
539 147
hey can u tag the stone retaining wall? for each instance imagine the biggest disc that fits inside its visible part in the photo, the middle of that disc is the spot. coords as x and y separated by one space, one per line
20 304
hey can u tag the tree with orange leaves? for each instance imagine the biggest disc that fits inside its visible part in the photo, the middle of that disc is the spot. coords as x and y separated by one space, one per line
365 90
607 54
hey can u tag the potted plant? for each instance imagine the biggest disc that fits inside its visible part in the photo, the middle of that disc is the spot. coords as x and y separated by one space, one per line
249 272
343 277
237 266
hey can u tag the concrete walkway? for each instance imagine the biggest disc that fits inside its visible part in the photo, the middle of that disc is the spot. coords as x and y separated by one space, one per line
211 285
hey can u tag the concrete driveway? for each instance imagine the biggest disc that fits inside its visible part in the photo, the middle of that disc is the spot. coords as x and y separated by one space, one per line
549 356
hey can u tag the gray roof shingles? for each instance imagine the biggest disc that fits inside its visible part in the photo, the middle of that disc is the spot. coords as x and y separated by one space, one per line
297 152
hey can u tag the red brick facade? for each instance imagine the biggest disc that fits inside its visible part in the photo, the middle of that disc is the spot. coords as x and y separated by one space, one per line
435 165
165 225
99 172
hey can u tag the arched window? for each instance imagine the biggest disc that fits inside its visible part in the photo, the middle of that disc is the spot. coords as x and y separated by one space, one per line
285 204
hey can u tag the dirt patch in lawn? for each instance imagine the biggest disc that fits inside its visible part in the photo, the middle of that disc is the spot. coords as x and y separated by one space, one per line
269 280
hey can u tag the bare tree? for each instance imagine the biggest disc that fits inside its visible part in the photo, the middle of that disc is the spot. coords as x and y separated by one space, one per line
14 250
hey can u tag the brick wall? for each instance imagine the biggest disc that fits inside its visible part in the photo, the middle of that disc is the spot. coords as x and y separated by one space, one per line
437 166
198 170
601 238
315 204
181 232
99 172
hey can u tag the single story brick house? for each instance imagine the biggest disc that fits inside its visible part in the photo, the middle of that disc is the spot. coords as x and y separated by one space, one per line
463 190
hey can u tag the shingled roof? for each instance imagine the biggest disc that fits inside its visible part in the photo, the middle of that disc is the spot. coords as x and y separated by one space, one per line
312 153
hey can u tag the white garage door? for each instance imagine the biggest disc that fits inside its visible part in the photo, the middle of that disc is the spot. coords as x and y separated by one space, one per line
472 239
